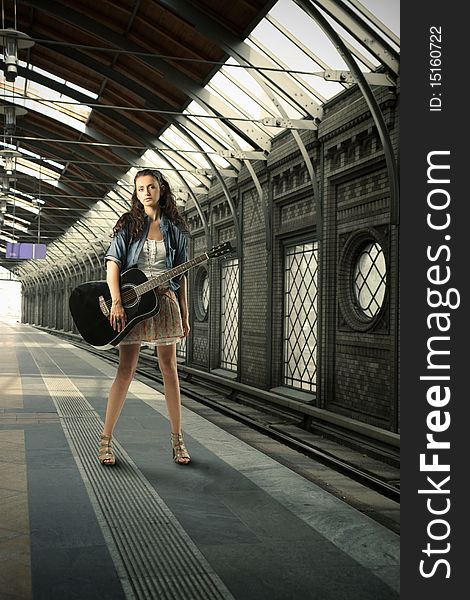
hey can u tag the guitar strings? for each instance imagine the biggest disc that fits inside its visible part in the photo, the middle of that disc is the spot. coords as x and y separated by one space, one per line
131 294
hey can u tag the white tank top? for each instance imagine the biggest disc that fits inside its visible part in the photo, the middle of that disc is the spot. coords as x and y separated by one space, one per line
152 258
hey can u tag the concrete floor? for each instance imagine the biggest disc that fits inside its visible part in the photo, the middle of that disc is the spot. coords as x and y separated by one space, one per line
235 523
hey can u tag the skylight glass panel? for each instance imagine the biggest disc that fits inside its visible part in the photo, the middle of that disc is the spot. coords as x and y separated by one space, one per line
350 39
25 201
68 112
60 80
212 126
285 105
211 151
379 28
23 204
242 116
33 155
302 27
238 96
11 224
311 85
388 12
8 237
244 77
150 158
16 218
206 148
283 51
319 88
162 162
176 141
37 171
220 161
244 80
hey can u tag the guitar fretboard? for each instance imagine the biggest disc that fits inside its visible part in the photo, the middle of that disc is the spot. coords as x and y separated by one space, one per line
154 282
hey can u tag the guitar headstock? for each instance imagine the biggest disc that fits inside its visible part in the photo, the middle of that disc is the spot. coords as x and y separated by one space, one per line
220 250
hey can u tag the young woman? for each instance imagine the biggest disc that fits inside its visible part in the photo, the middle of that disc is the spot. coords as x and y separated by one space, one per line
152 237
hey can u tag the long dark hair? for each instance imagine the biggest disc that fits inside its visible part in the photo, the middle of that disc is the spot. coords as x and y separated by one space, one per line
134 220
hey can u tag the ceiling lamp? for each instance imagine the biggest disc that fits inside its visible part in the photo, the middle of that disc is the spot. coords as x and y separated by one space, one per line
11 112
12 41
9 160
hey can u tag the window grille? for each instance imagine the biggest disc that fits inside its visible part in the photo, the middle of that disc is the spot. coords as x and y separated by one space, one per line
229 315
205 293
181 348
370 279
300 316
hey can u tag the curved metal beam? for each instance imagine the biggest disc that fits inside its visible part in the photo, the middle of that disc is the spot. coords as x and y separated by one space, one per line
226 192
362 32
316 15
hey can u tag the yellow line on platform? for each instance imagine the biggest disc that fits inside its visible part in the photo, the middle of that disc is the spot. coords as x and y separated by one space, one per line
15 543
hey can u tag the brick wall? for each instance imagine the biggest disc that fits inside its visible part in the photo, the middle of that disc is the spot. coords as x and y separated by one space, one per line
254 275
357 367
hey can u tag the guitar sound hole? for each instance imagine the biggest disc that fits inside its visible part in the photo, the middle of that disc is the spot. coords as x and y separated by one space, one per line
129 296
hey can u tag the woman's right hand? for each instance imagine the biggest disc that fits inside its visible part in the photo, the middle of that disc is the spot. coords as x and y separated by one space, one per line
117 316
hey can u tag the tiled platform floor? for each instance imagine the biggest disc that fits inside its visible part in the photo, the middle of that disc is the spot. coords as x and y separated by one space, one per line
233 524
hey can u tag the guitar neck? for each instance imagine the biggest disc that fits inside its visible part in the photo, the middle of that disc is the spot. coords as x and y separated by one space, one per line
154 282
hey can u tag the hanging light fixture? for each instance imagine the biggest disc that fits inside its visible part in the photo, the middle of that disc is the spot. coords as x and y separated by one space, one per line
5 185
9 164
11 112
9 157
12 41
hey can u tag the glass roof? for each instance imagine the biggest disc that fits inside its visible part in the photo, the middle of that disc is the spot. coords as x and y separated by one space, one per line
277 72
46 101
388 11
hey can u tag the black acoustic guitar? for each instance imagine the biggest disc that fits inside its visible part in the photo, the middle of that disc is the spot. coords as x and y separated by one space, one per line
90 303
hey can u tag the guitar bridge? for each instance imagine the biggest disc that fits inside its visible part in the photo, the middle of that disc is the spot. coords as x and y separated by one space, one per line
104 309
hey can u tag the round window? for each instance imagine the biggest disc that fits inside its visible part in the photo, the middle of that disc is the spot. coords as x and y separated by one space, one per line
363 279
202 294
370 279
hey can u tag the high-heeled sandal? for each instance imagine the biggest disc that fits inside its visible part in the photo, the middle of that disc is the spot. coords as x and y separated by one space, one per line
106 455
179 450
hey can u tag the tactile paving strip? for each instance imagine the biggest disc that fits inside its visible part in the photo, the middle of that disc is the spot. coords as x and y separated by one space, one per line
153 555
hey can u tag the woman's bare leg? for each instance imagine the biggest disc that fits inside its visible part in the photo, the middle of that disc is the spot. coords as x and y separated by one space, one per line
128 357
168 367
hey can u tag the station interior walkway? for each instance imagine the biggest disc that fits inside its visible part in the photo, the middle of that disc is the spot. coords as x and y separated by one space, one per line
234 523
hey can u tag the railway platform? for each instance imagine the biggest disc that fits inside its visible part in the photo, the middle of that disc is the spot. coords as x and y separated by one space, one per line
236 523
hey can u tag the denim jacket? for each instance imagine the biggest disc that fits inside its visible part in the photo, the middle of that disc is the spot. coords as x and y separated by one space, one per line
126 253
